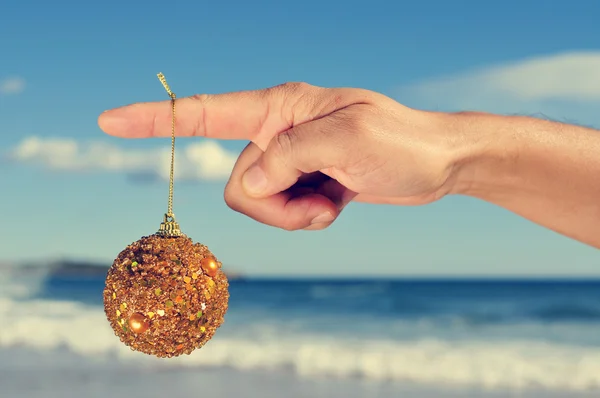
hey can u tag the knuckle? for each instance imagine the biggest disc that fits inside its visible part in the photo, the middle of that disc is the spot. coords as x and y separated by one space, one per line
201 128
203 98
295 98
232 198
300 86
290 88
289 225
295 86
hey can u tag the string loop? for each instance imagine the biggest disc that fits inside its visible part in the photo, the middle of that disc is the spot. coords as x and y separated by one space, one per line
170 228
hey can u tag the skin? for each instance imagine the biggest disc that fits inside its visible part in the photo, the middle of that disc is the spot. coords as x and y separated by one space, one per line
313 150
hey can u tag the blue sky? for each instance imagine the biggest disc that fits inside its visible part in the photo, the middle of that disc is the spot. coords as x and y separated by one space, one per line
63 63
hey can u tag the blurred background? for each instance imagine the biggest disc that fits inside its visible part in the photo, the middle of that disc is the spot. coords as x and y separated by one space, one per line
458 298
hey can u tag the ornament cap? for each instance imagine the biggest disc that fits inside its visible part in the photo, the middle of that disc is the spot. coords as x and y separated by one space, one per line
169 227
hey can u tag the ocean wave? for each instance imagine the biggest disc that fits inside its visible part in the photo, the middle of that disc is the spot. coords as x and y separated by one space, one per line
568 312
501 364
512 365
406 339
349 290
19 282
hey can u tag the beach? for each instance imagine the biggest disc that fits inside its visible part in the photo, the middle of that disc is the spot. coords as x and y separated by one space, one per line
317 338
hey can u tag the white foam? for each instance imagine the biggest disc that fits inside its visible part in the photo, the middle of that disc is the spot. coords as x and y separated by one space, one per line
508 365
18 282
502 364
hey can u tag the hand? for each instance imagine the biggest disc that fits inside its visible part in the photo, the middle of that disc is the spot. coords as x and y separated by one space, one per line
312 149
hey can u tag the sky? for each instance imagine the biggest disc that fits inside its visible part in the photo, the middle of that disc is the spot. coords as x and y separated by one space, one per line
68 190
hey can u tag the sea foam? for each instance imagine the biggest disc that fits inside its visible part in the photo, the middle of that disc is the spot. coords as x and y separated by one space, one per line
512 364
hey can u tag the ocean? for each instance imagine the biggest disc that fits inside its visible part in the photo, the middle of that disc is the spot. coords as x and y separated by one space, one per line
314 338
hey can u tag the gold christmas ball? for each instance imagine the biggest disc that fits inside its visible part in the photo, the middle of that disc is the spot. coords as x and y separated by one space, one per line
165 296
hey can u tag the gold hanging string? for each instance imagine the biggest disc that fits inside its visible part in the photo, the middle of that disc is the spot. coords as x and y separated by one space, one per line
169 226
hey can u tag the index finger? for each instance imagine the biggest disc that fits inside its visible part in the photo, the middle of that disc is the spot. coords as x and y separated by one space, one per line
247 115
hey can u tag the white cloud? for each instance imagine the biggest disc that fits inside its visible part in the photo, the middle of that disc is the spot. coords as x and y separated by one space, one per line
12 85
566 84
207 160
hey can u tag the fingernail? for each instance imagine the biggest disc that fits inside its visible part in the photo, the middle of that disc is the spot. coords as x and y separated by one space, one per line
323 218
111 117
254 180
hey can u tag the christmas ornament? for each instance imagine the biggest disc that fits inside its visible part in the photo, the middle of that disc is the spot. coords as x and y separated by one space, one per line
166 295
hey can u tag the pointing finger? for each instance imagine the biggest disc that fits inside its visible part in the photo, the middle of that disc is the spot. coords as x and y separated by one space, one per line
245 115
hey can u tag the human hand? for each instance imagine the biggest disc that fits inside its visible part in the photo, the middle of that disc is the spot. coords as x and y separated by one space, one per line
312 149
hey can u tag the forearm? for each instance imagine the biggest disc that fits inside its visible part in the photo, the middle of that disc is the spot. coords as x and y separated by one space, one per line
545 171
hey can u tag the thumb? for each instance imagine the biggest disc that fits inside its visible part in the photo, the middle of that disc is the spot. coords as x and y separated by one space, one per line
306 148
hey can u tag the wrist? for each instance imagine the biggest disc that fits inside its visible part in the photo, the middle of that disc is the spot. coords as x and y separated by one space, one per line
486 152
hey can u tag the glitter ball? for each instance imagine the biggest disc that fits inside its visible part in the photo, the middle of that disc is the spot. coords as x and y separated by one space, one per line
187 318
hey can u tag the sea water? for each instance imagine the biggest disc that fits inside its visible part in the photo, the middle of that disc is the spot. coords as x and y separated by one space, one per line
315 338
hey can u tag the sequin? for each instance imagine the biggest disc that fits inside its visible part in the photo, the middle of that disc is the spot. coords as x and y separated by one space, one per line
211 286
209 266
138 323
